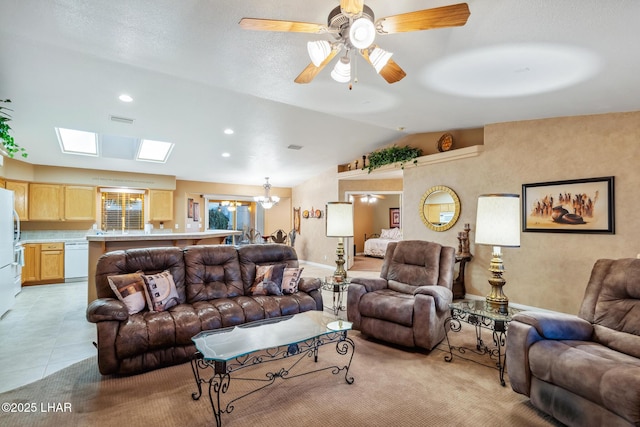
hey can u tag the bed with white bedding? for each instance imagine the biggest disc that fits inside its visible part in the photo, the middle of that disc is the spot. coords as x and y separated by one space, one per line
377 246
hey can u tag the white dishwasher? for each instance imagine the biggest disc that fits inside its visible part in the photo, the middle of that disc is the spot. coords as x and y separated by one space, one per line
76 261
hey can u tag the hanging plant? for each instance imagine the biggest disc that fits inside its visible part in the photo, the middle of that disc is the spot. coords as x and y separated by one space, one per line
7 144
393 154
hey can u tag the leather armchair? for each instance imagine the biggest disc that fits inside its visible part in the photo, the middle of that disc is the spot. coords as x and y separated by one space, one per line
584 370
409 302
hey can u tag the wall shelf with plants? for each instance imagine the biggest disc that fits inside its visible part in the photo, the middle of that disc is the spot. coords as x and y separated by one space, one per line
397 167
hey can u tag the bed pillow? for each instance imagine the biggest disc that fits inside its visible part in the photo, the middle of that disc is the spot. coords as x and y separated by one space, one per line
129 288
387 233
290 280
160 290
397 234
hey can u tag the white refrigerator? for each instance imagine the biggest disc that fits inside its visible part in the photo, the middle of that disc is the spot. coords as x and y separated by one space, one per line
7 292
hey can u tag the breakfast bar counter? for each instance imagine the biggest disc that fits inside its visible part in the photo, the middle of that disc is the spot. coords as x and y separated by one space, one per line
102 243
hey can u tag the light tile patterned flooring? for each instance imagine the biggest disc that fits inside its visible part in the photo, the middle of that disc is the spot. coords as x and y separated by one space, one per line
46 330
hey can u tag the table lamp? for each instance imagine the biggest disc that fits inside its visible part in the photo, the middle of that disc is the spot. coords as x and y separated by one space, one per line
340 225
498 224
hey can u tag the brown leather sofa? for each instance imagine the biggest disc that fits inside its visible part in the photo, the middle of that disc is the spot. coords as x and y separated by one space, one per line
409 302
584 370
213 284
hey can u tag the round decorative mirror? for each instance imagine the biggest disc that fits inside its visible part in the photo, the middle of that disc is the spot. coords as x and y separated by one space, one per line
439 208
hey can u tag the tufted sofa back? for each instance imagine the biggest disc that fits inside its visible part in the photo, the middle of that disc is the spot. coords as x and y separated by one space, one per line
212 272
412 263
251 256
612 304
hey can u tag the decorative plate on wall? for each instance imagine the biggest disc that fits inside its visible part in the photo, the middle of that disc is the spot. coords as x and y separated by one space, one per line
445 142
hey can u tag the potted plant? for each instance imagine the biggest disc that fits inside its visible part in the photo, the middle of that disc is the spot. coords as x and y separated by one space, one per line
8 146
393 154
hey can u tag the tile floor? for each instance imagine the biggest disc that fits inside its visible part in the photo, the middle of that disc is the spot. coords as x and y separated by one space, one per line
46 330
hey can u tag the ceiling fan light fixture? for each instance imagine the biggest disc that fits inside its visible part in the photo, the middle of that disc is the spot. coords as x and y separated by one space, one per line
342 71
318 50
362 33
379 58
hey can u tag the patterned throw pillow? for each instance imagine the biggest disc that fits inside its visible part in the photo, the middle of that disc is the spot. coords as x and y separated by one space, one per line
290 280
160 290
129 288
264 283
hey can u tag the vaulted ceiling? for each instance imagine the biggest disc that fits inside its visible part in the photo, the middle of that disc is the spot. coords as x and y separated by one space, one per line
193 72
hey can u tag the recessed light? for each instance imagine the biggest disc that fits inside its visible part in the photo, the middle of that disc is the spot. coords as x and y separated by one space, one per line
226 155
228 131
125 98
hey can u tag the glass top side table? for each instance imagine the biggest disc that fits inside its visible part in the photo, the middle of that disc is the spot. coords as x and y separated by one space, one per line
337 289
482 316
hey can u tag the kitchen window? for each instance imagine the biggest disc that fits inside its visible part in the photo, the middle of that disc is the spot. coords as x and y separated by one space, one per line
122 209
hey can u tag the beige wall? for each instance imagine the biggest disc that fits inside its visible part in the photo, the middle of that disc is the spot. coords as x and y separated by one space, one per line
549 270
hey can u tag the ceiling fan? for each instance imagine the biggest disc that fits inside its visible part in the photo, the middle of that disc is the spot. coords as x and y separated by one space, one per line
354 28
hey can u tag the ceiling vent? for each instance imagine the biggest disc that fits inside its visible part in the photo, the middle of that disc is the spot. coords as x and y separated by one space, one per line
294 147
118 119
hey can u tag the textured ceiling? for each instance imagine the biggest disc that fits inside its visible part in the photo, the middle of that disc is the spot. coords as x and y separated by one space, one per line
193 72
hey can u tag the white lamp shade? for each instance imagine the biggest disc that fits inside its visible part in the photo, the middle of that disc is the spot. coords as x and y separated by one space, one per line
318 51
498 220
379 58
362 33
342 71
339 219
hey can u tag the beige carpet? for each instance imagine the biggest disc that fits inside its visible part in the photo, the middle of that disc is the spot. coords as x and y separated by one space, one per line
393 387
366 263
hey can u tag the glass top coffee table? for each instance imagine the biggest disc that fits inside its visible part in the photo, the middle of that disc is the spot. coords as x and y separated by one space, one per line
293 337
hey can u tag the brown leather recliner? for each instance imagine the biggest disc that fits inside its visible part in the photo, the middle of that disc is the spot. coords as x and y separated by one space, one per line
409 302
584 370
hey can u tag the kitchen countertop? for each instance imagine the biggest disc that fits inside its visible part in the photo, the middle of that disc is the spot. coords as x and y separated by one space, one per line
53 240
162 236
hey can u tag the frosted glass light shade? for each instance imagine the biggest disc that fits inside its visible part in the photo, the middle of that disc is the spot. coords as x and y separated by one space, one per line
498 220
362 33
379 58
339 219
342 71
318 51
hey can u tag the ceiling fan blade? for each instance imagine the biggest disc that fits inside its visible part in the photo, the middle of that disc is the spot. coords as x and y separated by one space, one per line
258 24
312 71
391 72
351 7
455 15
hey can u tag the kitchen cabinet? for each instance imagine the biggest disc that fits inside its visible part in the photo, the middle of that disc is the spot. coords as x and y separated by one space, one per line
46 202
21 198
44 263
79 203
160 205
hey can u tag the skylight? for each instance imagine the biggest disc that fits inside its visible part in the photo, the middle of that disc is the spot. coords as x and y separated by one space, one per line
77 142
154 151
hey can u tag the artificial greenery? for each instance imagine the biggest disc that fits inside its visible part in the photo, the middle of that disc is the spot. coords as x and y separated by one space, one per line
393 154
6 141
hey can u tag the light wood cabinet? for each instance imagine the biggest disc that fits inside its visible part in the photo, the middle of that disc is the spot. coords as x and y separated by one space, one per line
46 202
31 269
79 203
44 263
21 198
160 205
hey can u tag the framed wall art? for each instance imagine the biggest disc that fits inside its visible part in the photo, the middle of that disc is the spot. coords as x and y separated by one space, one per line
394 217
189 208
573 206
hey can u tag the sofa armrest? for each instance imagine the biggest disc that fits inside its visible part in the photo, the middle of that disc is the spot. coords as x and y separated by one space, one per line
441 295
308 284
370 284
105 309
556 326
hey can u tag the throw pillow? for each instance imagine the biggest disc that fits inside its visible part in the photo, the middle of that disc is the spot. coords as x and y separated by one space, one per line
129 288
264 283
160 290
387 233
290 280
